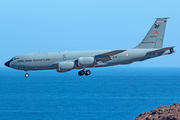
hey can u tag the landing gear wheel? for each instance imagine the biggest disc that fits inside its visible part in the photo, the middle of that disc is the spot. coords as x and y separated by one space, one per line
80 73
88 72
26 75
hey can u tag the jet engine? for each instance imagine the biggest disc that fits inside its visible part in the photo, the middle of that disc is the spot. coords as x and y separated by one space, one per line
65 66
86 61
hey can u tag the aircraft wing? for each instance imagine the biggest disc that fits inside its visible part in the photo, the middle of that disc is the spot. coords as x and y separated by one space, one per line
161 51
106 56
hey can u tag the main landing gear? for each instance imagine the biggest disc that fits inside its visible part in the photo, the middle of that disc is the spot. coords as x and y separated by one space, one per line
26 75
82 72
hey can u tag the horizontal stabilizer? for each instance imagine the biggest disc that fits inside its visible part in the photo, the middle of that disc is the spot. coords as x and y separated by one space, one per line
158 52
161 51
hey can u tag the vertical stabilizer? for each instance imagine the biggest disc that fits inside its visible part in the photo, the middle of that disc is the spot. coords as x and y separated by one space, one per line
155 36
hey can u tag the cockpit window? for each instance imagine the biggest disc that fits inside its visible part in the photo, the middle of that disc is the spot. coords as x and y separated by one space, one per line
15 58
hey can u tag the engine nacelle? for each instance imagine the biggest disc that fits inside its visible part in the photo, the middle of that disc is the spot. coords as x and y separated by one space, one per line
85 61
65 66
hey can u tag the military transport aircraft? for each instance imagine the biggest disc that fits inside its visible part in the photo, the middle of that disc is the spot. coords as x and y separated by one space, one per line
150 47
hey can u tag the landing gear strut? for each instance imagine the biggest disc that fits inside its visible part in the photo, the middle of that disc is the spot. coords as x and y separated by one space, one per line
26 75
82 72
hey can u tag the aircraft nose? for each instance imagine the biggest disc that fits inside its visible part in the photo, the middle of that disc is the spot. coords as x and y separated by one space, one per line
7 63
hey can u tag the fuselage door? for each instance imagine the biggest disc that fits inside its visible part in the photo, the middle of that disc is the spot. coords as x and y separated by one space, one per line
64 57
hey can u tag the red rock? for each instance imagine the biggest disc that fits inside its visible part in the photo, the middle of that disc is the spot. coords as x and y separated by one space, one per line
162 113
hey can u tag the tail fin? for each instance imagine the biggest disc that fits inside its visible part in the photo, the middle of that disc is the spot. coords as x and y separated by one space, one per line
155 36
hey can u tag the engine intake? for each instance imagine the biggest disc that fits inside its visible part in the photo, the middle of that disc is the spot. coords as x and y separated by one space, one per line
65 66
86 61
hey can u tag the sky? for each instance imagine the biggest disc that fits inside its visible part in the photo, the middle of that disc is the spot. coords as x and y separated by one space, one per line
74 25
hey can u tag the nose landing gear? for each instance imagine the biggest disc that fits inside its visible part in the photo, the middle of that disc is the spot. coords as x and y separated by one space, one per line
82 72
26 75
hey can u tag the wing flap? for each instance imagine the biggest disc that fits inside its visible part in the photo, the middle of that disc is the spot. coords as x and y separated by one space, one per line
104 59
106 56
112 53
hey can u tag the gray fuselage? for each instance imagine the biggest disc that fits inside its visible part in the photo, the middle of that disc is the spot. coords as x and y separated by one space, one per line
43 61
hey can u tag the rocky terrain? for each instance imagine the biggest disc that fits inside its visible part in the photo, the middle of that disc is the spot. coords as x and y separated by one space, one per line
162 113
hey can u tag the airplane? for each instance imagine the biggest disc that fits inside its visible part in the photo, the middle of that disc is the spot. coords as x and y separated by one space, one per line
150 47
